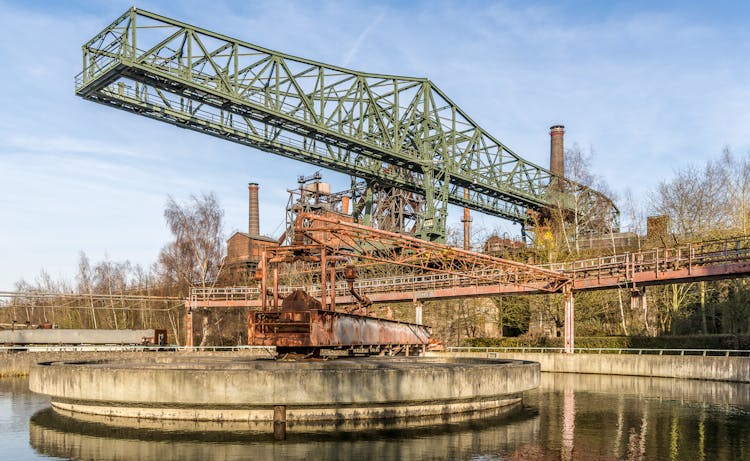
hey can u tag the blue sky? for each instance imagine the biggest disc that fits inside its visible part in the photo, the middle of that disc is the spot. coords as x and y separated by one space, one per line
649 86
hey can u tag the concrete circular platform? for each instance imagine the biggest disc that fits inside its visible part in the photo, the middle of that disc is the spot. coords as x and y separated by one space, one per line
244 389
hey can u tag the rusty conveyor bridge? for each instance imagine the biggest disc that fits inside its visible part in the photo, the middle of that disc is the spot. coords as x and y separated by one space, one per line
725 258
717 259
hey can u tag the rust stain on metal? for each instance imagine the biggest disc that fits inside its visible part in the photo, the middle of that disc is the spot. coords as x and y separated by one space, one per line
320 328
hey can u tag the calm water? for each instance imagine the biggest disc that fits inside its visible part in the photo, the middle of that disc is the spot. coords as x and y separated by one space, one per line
581 417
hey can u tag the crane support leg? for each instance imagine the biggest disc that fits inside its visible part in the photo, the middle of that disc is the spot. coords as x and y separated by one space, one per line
569 320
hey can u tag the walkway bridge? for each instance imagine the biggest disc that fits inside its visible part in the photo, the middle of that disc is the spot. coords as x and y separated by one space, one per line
714 259
717 259
482 275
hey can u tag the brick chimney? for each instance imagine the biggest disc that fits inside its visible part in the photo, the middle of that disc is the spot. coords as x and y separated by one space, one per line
253 227
556 154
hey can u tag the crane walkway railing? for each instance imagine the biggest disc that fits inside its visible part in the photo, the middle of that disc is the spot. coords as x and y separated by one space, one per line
401 283
604 350
658 261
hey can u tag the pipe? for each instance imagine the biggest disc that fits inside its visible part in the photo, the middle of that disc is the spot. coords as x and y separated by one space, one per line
323 276
350 275
333 289
362 299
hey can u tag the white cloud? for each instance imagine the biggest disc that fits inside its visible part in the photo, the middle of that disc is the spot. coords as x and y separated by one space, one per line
360 39
62 144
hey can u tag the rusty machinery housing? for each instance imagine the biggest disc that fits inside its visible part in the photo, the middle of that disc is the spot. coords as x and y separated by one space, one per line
303 325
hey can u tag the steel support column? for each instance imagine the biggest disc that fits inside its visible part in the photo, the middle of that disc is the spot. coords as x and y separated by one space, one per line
569 320
638 298
189 325
323 275
262 268
333 288
276 286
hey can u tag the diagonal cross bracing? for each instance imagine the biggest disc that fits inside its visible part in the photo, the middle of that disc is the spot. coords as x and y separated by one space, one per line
400 131
364 246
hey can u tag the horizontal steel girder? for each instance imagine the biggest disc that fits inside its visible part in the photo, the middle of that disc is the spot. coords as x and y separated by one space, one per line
400 131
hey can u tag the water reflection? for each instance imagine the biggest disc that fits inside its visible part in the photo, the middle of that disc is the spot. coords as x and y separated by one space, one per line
683 390
16 405
57 435
570 417
632 418
569 424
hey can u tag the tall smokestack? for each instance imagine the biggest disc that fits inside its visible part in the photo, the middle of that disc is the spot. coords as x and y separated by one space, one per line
253 227
556 154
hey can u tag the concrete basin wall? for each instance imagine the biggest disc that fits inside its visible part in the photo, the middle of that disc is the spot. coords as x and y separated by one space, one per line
19 363
243 389
735 369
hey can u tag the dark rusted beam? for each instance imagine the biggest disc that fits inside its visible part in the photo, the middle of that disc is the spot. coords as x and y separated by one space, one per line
319 328
333 288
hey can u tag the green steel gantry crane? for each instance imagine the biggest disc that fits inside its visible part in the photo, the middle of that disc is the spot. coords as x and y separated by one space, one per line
399 131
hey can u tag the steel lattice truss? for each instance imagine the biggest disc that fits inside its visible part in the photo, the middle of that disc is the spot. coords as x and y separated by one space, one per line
399 131
362 245
390 208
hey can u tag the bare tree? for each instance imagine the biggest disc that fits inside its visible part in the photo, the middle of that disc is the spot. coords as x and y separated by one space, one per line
634 213
112 278
578 211
735 176
85 283
195 255
578 166
702 203
695 201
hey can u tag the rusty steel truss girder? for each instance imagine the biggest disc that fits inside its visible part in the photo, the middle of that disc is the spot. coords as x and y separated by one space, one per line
708 260
356 243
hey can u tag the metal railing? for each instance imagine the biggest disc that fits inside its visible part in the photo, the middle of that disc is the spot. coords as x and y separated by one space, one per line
133 348
399 283
659 260
607 350
225 293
